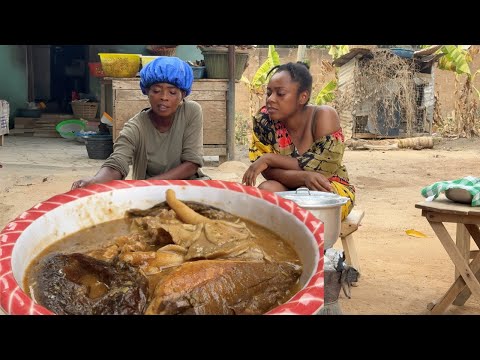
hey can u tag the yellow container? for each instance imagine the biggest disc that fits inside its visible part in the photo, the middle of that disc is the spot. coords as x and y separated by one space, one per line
120 65
146 59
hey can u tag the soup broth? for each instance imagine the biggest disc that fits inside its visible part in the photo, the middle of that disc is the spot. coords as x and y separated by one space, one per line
94 240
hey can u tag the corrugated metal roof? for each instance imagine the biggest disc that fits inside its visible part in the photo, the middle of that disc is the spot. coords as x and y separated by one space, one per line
422 56
342 60
428 51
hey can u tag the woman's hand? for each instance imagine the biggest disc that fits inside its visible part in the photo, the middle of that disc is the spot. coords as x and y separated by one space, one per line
316 181
82 183
103 175
250 176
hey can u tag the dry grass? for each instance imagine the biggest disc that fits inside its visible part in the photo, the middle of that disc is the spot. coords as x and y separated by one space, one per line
387 80
464 121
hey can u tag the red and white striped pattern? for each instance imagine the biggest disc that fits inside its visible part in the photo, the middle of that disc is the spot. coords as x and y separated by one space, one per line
14 301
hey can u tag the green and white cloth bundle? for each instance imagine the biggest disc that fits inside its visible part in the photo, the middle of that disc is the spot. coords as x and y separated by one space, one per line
469 183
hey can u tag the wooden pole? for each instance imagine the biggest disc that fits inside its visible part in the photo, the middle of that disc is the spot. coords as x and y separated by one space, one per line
30 73
301 52
231 104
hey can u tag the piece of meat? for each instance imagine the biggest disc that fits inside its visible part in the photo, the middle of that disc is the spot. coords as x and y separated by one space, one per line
205 210
211 212
76 284
224 287
152 262
151 228
216 240
240 250
137 258
220 232
157 210
106 254
223 240
162 260
137 241
182 234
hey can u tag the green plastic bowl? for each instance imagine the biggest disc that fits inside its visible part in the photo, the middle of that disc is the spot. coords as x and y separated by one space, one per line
68 128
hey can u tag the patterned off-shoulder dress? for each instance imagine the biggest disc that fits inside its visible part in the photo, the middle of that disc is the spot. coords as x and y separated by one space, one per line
325 155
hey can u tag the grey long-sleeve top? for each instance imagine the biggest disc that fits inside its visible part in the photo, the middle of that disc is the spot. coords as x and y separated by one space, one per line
151 152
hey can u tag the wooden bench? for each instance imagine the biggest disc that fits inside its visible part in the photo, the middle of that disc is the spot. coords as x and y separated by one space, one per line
349 226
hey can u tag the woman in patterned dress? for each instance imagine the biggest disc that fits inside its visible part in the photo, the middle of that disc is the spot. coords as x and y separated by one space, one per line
295 144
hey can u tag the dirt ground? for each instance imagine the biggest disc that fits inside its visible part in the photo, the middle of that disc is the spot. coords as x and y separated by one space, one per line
399 274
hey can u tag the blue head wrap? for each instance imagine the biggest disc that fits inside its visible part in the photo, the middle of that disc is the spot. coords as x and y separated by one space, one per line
167 69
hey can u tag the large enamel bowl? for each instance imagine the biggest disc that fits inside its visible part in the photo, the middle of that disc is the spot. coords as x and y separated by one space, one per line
31 232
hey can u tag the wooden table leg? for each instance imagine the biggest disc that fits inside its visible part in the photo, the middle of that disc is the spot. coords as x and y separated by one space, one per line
474 231
463 243
467 273
457 290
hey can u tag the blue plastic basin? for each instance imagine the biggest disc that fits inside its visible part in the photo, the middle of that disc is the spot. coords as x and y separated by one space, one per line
405 53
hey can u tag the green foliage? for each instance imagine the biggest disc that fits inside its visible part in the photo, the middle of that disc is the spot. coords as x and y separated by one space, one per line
338 50
260 77
327 94
455 58
242 129
256 86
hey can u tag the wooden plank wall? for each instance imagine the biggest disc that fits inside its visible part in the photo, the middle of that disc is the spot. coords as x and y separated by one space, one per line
209 93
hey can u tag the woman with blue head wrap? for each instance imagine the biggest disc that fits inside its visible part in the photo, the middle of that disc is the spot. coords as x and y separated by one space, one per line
164 141
165 69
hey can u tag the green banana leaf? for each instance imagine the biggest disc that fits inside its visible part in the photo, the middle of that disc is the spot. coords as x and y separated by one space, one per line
455 59
327 94
260 76
338 50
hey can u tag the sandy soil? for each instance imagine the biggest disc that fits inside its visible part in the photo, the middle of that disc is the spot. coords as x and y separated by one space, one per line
399 274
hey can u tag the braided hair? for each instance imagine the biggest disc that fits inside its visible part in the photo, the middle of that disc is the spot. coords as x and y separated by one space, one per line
299 72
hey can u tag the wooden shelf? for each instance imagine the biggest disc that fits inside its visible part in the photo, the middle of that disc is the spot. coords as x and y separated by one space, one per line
122 98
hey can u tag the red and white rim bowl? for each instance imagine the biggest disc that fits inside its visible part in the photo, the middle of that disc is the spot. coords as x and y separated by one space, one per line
31 232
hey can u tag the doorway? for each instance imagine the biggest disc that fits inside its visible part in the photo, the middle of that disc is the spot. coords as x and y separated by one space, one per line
59 74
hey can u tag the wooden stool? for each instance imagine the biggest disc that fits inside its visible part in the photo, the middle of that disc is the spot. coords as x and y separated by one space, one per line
349 226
